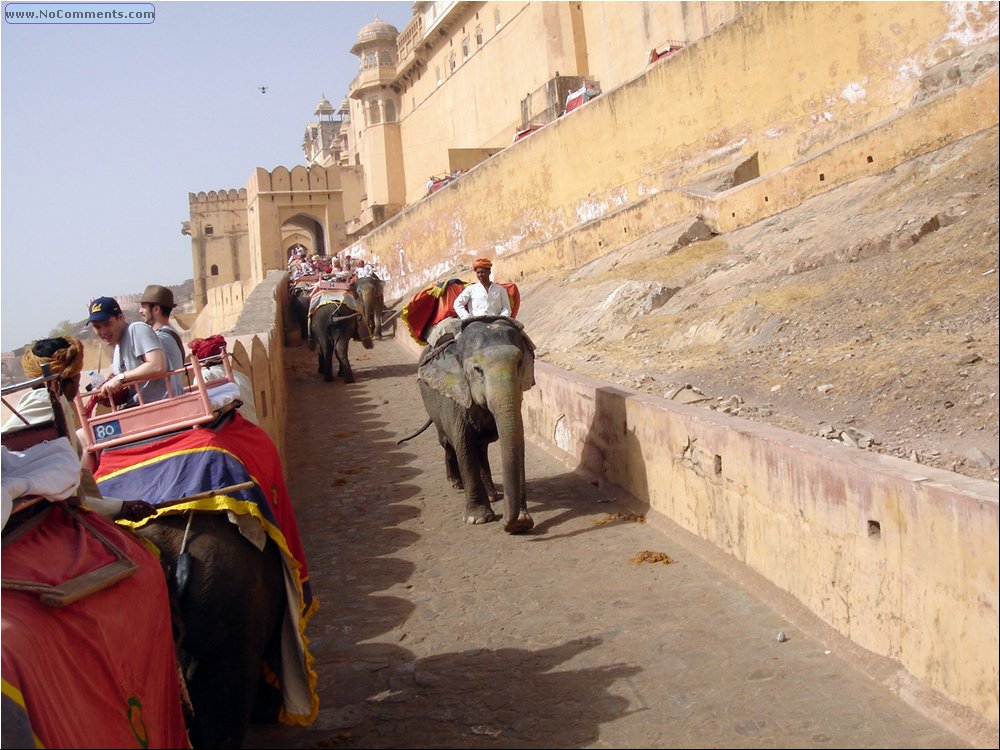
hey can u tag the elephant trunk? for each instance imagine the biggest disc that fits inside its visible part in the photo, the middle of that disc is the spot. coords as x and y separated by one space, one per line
510 431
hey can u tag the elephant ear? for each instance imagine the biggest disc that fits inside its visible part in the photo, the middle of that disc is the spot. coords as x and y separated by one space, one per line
528 363
528 366
444 374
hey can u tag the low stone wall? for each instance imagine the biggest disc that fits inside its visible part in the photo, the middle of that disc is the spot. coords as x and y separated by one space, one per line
253 326
900 559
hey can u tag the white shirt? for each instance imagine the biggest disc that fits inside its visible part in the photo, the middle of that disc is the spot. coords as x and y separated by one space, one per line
36 407
477 300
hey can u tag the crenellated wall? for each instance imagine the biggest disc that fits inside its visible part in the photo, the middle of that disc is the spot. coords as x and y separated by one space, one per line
220 251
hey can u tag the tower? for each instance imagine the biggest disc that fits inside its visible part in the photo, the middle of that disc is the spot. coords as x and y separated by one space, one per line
322 142
375 123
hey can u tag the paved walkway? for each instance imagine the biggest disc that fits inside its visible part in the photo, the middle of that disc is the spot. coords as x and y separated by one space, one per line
434 634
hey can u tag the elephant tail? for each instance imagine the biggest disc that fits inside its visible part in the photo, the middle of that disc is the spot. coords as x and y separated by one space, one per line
426 424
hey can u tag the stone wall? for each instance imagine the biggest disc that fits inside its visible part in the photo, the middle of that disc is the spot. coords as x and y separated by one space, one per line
677 134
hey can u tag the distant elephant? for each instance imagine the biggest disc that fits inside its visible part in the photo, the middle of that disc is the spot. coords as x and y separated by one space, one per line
298 303
332 326
471 387
231 613
369 293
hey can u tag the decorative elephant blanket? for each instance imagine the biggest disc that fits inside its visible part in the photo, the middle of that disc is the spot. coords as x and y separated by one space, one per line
194 462
436 302
327 295
101 671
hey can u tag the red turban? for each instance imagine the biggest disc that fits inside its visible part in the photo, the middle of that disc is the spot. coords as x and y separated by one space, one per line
482 263
209 347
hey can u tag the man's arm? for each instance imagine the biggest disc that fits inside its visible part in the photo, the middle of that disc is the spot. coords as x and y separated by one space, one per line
146 345
462 303
155 364
504 301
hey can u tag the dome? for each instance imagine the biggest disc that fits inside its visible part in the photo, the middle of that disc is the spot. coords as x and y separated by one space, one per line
376 31
324 107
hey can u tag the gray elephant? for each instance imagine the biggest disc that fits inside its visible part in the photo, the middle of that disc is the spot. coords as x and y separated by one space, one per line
332 326
238 575
230 615
368 290
472 389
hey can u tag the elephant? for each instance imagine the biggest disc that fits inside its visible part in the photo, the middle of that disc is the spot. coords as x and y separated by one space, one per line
298 303
332 326
230 614
368 290
472 386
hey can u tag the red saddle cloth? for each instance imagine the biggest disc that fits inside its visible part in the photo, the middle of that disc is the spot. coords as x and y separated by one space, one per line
436 302
99 672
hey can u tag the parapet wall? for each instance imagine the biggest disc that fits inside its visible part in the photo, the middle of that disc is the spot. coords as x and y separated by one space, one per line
215 200
898 558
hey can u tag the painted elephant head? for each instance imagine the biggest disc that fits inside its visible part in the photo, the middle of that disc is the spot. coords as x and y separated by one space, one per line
472 389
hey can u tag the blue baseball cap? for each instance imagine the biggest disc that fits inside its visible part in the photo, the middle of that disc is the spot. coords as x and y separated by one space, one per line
103 308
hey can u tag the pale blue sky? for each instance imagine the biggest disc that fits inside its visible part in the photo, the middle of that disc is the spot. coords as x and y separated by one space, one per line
106 129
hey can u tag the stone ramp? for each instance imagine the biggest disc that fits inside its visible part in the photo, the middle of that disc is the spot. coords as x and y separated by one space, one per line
434 634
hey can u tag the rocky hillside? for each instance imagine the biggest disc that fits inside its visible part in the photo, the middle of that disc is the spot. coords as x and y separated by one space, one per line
867 315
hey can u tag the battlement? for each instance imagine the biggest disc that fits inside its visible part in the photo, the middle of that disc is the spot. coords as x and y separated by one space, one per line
216 198
298 178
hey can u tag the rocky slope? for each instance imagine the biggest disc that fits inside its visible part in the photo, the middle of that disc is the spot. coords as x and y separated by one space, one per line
867 315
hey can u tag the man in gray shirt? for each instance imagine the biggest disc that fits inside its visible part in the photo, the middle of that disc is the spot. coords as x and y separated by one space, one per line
138 353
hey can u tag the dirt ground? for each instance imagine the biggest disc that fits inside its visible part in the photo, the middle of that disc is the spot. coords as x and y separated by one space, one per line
867 315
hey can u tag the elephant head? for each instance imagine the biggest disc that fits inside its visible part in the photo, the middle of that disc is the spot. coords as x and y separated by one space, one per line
472 388
368 290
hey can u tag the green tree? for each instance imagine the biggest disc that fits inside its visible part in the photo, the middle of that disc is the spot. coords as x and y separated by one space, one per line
64 328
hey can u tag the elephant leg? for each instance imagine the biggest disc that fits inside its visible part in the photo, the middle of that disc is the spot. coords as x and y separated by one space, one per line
326 357
451 465
343 343
494 493
477 502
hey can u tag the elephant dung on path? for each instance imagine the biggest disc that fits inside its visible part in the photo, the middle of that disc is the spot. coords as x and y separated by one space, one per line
368 290
333 325
472 389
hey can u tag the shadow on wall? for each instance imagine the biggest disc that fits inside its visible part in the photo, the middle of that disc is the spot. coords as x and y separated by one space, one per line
603 450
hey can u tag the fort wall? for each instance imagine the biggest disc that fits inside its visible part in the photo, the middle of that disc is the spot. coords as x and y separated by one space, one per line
686 125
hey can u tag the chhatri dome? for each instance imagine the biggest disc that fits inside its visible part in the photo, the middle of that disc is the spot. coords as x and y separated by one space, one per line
324 107
376 31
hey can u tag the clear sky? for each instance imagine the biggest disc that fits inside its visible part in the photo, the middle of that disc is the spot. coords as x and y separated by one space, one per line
106 129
